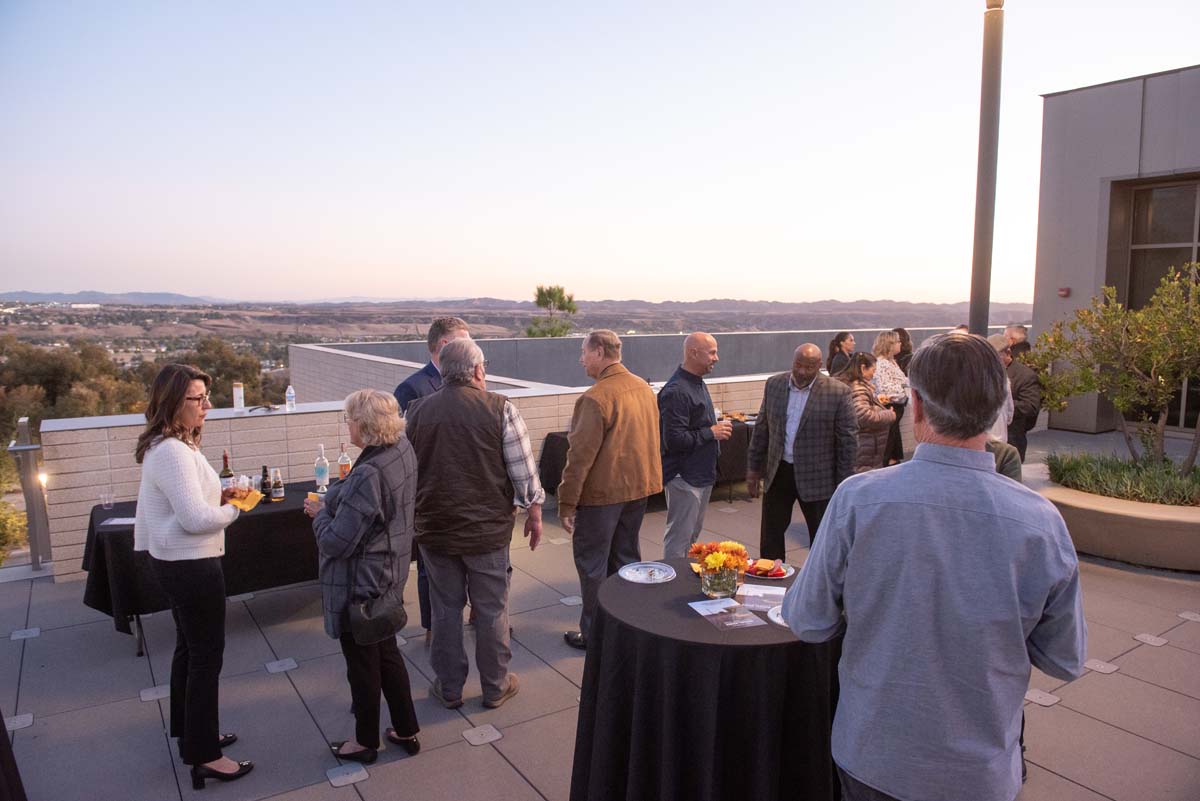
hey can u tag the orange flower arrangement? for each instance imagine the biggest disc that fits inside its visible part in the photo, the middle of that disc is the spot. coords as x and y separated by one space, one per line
715 556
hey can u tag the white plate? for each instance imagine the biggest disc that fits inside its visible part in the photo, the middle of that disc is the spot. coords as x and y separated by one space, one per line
647 573
788 570
775 615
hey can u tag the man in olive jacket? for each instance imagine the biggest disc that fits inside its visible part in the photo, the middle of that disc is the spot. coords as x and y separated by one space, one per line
475 469
613 466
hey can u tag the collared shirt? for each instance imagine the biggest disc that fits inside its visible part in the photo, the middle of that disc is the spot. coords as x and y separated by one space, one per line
518 459
946 599
797 400
686 417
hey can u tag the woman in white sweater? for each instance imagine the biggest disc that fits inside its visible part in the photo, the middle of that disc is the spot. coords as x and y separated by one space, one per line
181 519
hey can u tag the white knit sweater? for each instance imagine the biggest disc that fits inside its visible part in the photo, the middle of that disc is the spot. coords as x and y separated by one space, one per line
179 511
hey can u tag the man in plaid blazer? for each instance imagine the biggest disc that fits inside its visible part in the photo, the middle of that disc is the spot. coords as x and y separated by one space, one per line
804 444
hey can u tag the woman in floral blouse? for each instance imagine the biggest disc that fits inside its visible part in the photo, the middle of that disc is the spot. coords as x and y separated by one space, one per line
892 386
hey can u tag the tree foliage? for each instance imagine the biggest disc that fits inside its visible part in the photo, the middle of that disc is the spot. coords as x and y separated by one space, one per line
555 300
1136 358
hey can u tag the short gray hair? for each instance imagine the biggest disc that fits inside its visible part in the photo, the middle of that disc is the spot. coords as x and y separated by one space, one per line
961 382
458 359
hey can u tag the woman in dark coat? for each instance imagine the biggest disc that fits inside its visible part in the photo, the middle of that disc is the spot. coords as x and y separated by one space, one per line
874 421
840 348
364 530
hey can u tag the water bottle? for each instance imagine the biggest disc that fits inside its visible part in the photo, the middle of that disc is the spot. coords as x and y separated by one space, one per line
289 398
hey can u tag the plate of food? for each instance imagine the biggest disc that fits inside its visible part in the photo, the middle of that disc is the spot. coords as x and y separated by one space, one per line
775 615
770 569
647 573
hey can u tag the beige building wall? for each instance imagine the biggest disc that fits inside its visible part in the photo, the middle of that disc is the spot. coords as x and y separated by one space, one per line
1098 142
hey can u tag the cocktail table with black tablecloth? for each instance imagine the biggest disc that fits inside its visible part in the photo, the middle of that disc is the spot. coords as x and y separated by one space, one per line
270 546
674 708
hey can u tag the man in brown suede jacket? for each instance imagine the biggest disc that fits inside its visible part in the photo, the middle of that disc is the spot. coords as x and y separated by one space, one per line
613 465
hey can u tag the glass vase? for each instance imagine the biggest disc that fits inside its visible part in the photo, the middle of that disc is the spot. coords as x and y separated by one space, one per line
719 583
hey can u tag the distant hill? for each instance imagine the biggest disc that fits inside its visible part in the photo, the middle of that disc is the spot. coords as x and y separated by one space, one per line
112 299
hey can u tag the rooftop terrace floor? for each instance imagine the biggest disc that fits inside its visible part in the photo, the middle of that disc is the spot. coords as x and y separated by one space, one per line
1131 735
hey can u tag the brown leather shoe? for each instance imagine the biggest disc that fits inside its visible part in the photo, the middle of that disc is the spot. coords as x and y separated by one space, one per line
514 687
449 703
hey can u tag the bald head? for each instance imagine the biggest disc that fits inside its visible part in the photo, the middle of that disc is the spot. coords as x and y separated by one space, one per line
699 353
806 364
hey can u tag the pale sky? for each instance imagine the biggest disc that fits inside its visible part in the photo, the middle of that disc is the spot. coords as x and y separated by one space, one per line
684 150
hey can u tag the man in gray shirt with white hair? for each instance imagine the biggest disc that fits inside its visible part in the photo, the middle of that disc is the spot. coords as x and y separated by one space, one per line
949 581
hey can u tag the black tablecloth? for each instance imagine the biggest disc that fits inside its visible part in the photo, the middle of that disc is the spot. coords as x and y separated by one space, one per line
269 546
731 464
11 788
673 708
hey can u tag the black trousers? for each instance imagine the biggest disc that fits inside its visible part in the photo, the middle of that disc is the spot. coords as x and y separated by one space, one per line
777 512
370 669
894 450
196 589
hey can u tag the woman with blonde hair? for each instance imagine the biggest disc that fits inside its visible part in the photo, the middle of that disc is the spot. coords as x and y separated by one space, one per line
364 531
181 518
874 421
891 384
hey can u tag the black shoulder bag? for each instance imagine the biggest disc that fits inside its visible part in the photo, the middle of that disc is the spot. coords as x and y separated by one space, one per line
376 619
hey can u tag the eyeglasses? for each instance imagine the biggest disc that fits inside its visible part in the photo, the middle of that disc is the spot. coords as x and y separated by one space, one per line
485 364
346 418
201 399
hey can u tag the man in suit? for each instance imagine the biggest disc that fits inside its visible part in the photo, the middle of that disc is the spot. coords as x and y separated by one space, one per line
804 444
428 379
424 382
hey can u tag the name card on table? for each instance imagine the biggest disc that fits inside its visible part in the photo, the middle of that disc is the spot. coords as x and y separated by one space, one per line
726 613
119 521
759 598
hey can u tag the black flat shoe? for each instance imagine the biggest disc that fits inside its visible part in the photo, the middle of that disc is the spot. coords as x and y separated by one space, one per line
200 773
226 740
410 744
366 756
575 640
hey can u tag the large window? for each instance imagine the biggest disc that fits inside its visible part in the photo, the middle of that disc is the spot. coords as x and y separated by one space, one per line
1166 233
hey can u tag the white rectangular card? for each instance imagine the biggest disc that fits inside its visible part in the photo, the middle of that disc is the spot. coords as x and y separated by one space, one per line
119 521
760 598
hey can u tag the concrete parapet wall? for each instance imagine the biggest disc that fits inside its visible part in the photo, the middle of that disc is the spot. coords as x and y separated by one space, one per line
326 372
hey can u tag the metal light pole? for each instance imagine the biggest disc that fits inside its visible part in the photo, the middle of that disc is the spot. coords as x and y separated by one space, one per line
985 182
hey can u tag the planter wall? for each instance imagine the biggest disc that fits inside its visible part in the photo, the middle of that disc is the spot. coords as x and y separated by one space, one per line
1147 534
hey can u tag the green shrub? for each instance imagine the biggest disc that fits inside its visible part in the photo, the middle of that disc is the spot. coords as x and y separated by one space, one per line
9 478
1146 481
13 529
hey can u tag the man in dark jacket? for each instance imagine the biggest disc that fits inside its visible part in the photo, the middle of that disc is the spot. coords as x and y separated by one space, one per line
804 444
475 468
428 379
691 438
1027 400
424 382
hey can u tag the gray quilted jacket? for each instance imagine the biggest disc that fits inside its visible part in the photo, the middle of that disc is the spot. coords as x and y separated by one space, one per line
372 505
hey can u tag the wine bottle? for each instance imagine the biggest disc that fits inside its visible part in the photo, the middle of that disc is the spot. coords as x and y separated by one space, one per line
226 473
321 469
264 486
344 463
277 486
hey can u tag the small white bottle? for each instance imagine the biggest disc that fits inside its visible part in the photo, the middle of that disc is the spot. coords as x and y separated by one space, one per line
289 398
239 395
321 469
